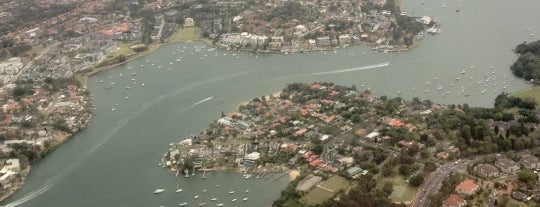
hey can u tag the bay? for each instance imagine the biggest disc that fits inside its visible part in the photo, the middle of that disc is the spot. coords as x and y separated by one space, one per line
113 161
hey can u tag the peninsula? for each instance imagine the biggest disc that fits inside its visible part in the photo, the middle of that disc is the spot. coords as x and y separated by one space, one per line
345 147
47 50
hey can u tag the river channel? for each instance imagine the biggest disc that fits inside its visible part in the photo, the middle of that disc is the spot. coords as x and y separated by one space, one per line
178 90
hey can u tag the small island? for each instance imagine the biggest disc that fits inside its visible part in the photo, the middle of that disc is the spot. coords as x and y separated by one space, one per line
341 143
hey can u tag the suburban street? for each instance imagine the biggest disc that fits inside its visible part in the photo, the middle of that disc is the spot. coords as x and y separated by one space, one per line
434 181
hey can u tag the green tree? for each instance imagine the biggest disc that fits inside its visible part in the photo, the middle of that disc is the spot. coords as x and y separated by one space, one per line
527 176
388 187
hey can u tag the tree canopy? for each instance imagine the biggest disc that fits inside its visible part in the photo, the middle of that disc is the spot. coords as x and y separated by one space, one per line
527 66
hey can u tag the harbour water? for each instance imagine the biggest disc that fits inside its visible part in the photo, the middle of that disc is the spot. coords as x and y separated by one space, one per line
171 94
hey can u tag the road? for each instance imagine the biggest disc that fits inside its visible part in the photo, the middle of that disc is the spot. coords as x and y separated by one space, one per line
434 181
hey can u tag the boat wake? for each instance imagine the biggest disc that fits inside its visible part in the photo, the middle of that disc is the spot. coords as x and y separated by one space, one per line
202 101
51 182
367 67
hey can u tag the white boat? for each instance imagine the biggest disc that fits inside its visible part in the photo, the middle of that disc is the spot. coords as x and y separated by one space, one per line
246 191
202 204
183 204
213 199
204 190
439 88
245 199
233 200
101 81
159 190
220 204
231 192
462 72
196 196
186 171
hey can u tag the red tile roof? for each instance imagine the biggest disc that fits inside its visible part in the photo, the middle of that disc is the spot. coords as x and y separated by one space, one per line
454 200
467 185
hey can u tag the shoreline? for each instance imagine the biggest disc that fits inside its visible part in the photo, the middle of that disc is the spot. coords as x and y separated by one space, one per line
18 185
151 49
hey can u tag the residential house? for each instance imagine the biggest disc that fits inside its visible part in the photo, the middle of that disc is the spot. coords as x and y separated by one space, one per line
442 155
507 166
530 162
353 171
467 187
323 41
519 196
486 170
454 201
189 22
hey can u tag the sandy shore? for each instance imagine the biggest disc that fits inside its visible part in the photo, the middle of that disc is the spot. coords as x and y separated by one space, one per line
293 174
275 95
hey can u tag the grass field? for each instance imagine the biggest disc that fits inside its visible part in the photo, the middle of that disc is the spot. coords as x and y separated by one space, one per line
403 192
533 93
185 34
123 49
188 34
325 190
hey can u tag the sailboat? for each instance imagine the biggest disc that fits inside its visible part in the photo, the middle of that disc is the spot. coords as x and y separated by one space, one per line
204 175
186 171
